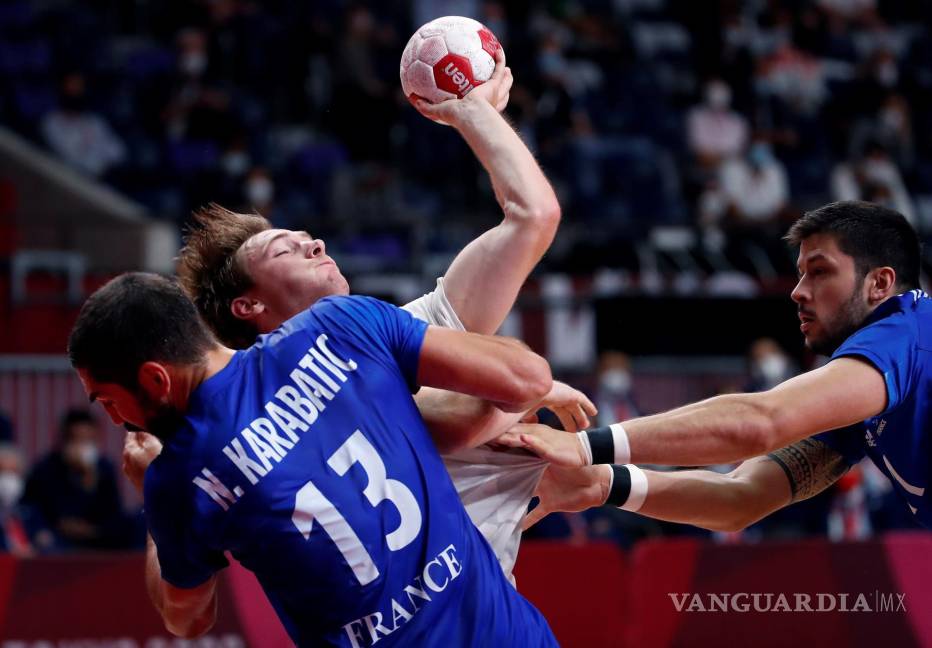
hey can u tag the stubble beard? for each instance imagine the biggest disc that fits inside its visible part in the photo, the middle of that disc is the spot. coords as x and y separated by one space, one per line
849 318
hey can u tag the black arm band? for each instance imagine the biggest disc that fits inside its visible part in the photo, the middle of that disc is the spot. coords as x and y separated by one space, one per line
621 486
602 443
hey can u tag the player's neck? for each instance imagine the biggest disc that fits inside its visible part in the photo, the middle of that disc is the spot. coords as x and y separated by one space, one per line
216 359
188 378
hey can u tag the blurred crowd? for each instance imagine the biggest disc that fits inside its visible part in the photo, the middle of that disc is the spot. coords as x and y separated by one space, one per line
68 499
723 118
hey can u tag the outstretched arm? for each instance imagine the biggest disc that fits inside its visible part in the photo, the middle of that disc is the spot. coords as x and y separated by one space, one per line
738 426
714 501
483 281
733 427
750 492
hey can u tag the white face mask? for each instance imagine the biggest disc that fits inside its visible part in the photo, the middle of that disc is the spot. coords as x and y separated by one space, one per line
888 74
193 64
11 488
235 163
84 453
259 192
773 368
892 118
615 381
718 96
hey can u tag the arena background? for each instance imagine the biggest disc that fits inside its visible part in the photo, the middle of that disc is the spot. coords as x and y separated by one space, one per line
682 138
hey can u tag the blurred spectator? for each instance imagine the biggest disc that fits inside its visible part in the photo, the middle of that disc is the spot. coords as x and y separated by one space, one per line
363 97
614 393
75 489
259 192
715 131
21 531
755 186
875 178
891 127
768 365
856 11
794 77
80 137
197 110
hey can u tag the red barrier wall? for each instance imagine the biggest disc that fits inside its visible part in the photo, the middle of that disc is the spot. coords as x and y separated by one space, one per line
593 595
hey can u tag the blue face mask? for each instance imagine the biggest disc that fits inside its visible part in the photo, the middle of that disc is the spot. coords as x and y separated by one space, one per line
759 155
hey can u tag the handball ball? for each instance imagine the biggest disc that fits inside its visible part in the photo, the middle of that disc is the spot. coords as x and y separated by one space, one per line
447 58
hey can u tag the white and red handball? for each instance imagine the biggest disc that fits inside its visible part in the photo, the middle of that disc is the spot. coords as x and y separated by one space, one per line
447 58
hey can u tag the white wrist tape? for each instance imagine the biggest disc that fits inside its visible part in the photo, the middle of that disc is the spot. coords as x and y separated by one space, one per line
638 489
622 448
587 447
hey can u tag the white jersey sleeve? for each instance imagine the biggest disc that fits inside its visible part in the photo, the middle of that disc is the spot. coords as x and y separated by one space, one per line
495 486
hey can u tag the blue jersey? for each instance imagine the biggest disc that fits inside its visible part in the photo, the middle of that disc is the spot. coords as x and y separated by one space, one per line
307 459
897 341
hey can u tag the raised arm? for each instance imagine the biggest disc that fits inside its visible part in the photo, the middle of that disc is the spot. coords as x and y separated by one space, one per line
503 256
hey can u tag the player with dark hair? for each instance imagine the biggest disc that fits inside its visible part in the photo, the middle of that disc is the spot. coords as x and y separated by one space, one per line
305 456
247 278
859 301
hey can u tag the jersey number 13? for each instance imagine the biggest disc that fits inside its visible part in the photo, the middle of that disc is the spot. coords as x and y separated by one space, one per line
311 505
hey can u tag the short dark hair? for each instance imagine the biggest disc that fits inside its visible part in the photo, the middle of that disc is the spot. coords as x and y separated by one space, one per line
873 235
212 273
136 318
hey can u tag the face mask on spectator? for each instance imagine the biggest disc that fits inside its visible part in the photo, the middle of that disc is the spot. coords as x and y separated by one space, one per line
259 192
772 368
615 381
887 74
892 118
717 96
82 453
235 163
879 171
11 488
759 154
193 64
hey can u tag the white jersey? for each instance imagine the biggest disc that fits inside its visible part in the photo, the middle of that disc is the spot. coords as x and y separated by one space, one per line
495 486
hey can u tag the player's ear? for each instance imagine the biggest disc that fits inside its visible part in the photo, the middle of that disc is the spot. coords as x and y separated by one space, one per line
246 308
882 284
154 379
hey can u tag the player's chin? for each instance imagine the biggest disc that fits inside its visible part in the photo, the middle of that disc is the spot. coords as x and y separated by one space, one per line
342 286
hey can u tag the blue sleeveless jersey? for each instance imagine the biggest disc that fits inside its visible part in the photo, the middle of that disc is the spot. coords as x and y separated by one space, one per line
897 341
307 459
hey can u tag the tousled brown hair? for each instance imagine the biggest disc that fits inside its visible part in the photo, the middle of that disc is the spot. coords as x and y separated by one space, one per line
211 272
